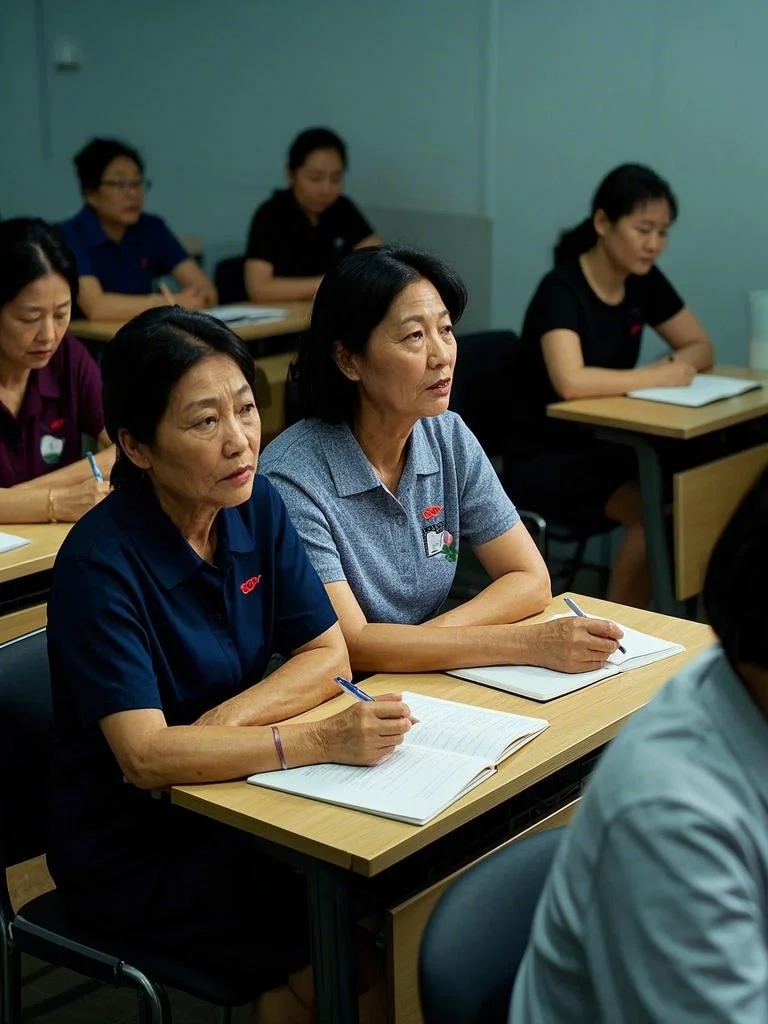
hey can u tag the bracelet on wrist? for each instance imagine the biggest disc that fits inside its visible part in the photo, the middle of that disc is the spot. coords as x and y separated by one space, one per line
51 510
279 746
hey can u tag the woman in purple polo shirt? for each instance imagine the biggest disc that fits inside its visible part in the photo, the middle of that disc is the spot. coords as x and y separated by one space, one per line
50 388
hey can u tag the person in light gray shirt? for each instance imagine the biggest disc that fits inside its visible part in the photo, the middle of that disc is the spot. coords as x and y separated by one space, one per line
656 909
383 483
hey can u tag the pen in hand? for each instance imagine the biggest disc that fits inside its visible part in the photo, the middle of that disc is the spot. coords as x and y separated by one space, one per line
580 612
349 687
94 468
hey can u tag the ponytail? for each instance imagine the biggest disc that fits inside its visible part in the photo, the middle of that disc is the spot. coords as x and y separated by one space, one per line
571 244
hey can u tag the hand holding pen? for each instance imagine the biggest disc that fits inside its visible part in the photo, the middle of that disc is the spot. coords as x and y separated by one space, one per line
582 614
367 731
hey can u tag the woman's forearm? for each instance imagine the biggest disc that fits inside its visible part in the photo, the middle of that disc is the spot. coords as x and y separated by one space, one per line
512 597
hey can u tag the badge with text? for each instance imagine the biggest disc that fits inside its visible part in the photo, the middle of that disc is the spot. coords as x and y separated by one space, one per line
437 540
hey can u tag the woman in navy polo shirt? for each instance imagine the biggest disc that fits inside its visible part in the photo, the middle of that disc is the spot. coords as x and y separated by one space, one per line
120 250
581 339
50 388
298 234
382 482
168 601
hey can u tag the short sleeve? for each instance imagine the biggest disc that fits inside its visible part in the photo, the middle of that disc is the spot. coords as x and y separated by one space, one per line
555 307
485 510
262 235
169 250
86 381
662 302
312 526
80 252
356 226
676 921
303 610
98 650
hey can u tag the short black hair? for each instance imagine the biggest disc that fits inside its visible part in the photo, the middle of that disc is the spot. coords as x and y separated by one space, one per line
29 249
309 140
352 300
96 156
143 363
735 583
620 193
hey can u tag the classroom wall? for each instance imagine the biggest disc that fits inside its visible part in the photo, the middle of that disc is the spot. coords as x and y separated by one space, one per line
508 109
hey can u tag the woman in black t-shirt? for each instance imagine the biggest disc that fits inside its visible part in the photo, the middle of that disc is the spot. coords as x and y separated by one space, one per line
581 339
298 234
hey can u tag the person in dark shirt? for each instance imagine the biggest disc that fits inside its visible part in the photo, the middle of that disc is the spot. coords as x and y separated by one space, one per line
581 339
120 250
298 234
168 601
50 388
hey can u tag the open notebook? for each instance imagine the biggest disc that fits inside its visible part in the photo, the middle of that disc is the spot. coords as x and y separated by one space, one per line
246 314
545 683
9 541
703 389
453 748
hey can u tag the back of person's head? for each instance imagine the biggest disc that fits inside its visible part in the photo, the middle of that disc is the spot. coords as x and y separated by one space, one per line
309 140
618 195
96 156
30 249
143 363
736 581
352 300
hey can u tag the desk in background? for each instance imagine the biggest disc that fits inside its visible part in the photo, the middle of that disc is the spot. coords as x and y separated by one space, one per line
639 424
341 850
25 576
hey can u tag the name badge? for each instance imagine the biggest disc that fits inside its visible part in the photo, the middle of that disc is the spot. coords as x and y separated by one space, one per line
51 448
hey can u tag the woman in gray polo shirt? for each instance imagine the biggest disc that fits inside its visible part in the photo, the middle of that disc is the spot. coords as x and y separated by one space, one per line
382 482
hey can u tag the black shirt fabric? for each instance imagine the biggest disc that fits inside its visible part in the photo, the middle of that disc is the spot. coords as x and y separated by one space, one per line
559 468
283 235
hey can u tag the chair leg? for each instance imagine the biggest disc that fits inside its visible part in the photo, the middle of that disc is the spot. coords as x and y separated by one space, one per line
10 983
154 1007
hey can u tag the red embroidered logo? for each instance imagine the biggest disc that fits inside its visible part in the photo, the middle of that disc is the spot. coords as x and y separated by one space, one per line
635 329
431 512
250 584
57 424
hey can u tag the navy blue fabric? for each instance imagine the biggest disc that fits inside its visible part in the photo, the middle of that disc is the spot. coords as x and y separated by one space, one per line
137 620
147 250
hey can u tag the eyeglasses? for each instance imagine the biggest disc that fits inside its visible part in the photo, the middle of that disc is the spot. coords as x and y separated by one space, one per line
129 184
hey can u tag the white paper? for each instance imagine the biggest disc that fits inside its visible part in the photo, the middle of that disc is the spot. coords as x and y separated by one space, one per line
703 389
9 542
246 314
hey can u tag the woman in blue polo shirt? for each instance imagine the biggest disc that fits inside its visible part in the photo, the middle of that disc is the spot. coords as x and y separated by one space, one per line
382 481
120 250
298 234
168 601
50 388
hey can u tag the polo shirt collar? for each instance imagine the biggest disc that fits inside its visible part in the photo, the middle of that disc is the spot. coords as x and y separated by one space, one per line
351 471
170 557
739 721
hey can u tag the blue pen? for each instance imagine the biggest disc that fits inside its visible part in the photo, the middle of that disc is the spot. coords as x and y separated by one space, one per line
94 468
349 686
578 611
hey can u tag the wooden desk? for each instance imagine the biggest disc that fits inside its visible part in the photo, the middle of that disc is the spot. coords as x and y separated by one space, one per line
37 556
296 320
275 371
335 845
637 423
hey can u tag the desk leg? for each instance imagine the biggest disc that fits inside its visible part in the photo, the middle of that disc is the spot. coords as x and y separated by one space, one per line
333 954
652 491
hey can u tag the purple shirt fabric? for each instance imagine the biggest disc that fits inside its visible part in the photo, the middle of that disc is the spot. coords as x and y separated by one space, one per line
62 401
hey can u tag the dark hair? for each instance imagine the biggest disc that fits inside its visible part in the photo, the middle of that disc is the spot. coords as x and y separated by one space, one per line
30 249
618 194
309 140
94 158
734 586
143 363
353 299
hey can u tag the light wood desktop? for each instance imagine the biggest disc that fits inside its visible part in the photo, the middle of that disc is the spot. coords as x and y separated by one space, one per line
37 556
296 320
335 844
637 423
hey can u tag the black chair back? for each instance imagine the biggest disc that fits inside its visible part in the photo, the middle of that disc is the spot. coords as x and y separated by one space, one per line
475 939
26 724
229 278
481 380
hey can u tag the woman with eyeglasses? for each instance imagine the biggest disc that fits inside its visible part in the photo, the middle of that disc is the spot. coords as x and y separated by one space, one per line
121 250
